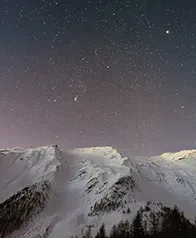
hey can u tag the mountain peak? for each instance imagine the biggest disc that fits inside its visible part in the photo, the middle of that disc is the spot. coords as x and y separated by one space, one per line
107 151
180 155
89 186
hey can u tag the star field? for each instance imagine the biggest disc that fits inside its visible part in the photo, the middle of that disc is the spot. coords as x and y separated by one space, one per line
85 73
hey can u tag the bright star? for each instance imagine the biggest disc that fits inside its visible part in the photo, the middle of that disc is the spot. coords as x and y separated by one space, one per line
76 98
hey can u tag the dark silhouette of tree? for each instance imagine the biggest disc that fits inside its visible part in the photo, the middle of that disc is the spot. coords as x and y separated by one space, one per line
128 210
124 229
101 233
137 226
114 232
154 224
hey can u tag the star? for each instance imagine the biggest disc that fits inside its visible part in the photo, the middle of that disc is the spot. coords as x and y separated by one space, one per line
84 66
76 98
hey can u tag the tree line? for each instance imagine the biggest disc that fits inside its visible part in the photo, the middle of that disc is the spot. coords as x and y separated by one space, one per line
166 223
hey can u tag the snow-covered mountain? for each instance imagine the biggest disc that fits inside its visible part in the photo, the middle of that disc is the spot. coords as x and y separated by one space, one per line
46 192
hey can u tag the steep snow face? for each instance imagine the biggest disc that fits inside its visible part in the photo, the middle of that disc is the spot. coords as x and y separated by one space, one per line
101 167
20 168
94 185
24 174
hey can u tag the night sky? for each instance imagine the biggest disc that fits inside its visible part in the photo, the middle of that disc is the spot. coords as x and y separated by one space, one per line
98 72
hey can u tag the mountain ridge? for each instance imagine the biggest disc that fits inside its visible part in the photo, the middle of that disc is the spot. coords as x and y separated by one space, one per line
93 185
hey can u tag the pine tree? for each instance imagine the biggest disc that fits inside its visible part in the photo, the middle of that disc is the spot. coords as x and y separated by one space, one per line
128 210
124 229
101 233
154 222
145 227
176 222
114 232
137 226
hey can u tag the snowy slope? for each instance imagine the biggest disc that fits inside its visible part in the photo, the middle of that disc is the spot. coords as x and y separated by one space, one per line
19 168
89 186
